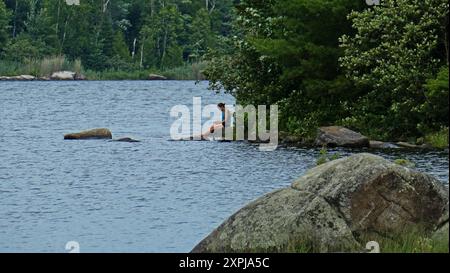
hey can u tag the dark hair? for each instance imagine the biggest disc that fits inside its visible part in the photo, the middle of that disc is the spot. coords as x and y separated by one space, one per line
221 105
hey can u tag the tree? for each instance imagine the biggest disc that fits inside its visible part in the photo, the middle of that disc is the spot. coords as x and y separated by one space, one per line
286 52
159 44
201 36
4 27
398 45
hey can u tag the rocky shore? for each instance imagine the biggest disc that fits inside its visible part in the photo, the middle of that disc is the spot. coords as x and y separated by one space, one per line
65 76
338 136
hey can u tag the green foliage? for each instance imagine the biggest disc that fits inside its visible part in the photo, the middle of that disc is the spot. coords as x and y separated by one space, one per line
186 72
4 27
397 47
286 52
324 157
39 67
126 35
438 139
435 108
405 163
409 241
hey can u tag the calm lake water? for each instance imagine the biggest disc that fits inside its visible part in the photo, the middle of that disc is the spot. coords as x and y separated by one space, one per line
153 196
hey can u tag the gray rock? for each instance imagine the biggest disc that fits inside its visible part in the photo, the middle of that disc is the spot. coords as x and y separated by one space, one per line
382 145
100 133
18 78
26 78
63 75
80 77
412 146
338 136
331 206
126 139
155 77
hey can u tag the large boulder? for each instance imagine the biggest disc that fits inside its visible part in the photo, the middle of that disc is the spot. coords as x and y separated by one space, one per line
338 136
63 75
100 133
332 207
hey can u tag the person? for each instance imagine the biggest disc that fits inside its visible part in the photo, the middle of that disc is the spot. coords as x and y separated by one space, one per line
218 125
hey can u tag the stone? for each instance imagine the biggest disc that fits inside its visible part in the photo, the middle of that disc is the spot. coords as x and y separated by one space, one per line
338 136
333 205
155 77
382 145
100 133
126 139
63 75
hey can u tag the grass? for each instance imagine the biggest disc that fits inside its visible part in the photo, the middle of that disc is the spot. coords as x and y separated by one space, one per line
186 72
39 67
405 163
46 66
324 157
117 75
438 139
414 241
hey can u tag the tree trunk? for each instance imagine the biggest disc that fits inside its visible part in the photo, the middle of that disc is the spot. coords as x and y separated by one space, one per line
141 63
15 20
164 47
152 8
57 18
134 49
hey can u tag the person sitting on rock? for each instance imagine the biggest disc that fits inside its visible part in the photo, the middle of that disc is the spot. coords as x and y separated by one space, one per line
218 125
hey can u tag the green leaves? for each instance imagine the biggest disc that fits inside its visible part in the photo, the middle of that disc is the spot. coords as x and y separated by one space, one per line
396 47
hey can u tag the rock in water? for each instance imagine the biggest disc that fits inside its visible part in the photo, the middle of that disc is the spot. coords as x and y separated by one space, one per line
63 75
328 208
100 133
126 139
382 145
338 136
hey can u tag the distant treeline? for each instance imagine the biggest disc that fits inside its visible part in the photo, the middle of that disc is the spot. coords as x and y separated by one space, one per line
122 35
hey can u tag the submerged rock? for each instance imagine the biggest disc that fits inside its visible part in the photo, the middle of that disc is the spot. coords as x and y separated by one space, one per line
331 206
382 145
412 146
100 133
338 136
126 139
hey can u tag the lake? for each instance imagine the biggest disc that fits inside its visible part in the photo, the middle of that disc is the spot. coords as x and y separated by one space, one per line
153 196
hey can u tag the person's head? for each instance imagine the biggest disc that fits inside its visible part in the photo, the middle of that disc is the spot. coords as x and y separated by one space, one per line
221 106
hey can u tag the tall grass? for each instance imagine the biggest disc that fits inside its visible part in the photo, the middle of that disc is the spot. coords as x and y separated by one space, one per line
413 241
46 66
117 75
186 72
39 67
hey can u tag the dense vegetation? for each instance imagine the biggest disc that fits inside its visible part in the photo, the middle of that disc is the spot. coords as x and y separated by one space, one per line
382 70
112 35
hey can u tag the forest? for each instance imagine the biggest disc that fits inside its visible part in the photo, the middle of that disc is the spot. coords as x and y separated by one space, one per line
112 35
379 69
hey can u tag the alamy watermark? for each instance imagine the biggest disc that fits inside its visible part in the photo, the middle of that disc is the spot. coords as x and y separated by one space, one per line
226 123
